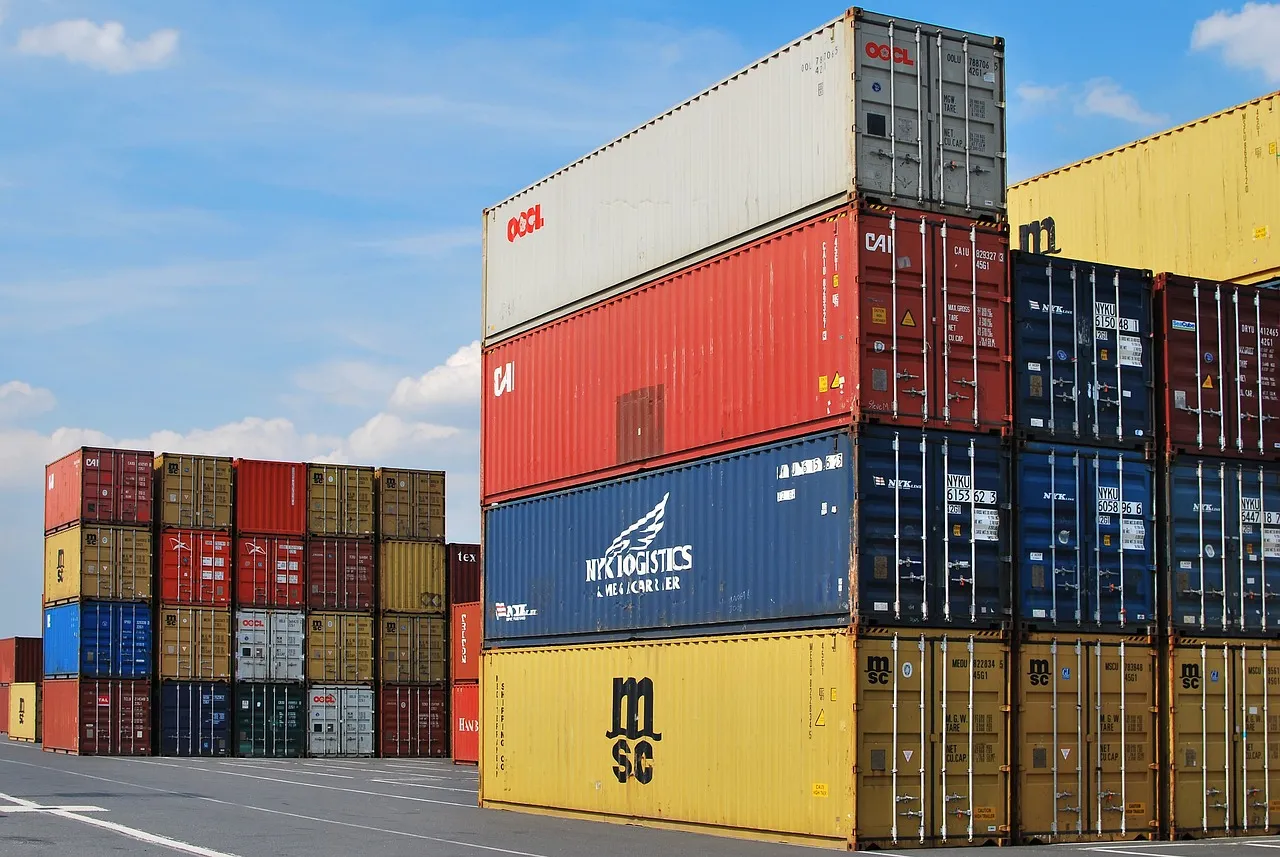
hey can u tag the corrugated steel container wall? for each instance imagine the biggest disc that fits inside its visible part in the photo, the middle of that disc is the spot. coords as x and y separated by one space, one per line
340 500
411 504
464 642
102 486
1176 201
271 497
270 645
411 577
1084 362
339 648
412 649
98 639
271 571
464 737
340 574
271 720
1087 738
195 643
464 573
92 717
926 109
414 721
698 547
1085 538
194 719
890 740
24 712
98 562
1222 368
4 709
1222 537
21 659
195 491
341 721
866 315
195 567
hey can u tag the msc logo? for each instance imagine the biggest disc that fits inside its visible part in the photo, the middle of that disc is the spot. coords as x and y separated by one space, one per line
878 669
901 56
317 624
22 711
62 565
1029 236
391 483
172 469
171 620
317 478
1190 676
504 379
633 722
525 223
1039 671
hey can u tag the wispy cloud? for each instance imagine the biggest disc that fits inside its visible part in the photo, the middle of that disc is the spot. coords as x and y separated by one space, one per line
99 46
1036 95
355 383
1248 39
1104 97
19 399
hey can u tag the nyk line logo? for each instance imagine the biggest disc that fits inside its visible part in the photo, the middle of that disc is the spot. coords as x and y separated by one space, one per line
629 559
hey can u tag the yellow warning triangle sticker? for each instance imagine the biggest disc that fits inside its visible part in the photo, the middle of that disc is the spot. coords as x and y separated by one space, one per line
836 381
822 718
1208 382
908 320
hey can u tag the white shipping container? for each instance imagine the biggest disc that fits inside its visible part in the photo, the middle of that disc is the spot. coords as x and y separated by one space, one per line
340 721
886 109
269 645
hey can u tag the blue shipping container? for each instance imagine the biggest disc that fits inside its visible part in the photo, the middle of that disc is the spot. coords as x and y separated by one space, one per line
767 535
1223 542
98 639
1084 366
194 718
1085 538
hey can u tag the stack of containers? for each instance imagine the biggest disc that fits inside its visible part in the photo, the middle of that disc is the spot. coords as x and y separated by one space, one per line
413 659
98 646
270 591
194 500
467 615
744 430
21 674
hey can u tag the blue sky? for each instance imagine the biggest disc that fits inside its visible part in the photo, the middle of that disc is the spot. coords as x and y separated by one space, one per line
253 227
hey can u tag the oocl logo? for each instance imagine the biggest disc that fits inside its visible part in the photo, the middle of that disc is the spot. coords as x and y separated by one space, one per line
525 223
901 56
329 700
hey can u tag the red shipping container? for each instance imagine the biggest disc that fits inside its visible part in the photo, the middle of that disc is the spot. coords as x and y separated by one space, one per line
195 568
98 717
868 314
465 642
21 660
4 709
464 573
466 723
271 571
1218 357
101 486
414 721
340 574
271 497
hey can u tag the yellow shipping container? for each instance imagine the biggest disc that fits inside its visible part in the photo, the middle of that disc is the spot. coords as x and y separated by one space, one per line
413 649
25 714
339 500
195 643
339 648
411 504
89 561
195 491
890 738
411 577
1202 199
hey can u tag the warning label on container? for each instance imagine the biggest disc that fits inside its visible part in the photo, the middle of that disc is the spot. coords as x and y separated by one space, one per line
984 813
879 315
986 525
1270 543
819 789
1130 352
1133 535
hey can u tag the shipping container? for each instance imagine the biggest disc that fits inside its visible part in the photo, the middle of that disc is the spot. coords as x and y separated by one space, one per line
270 645
340 574
193 718
1223 737
98 639
1087 735
464 639
24 712
4 709
1175 201
195 567
271 720
97 562
1084 362
98 486
893 739
866 106
340 500
1222 538
413 649
195 644
1222 368
762 536
1085 538
21 660
340 721
464 573
271 571
271 497
195 491
339 648
464 739
414 721
411 577
867 315
97 717
411 504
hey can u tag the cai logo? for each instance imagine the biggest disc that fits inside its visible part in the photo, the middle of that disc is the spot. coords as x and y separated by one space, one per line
633 731
632 566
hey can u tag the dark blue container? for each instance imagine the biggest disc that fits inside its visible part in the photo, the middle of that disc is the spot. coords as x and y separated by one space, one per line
1223 542
1085 538
764 537
1084 366
98 639
194 718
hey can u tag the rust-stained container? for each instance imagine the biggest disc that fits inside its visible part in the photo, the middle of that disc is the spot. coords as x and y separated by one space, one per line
4 709
411 577
464 642
411 504
891 739
271 497
412 649
413 721
464 573
105 563
871 314
24 712
195 644
339 648
1087 759
464 737
97 717
21 659
195 567
195 491
340 574
99 486
271 571
340 500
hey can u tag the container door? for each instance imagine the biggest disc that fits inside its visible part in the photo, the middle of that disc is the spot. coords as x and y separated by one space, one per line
892 98
325 738
1198 545
1121 371
1196 344
1257 734
967 538
1051 561
1052 779
252 643
967 127
1047 349
1254 522
1253 368
893 508
357 721
1202 739
1123 737
287 635
1123 583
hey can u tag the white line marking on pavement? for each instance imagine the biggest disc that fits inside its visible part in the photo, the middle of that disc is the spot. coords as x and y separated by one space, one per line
291 770
424 786
1260 844
11 809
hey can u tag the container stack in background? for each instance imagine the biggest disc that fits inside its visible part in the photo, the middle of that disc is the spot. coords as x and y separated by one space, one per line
21 677
465 634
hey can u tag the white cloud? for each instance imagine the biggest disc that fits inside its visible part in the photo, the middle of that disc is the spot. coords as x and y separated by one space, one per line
1248 39
101 46
19 399
1104 97
348 382
456 382
1037 95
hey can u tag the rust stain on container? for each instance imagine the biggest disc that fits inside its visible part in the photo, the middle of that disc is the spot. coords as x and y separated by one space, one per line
339 648
411 504
97 562
195 491
340 500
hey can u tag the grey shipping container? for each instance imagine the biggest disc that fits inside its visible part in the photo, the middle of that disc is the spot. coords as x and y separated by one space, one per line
269 645
340 721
